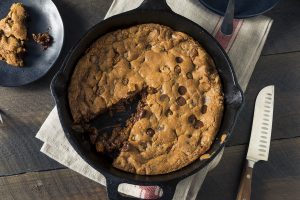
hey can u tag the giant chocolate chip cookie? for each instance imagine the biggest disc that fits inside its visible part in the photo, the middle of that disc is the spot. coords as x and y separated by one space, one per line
181 99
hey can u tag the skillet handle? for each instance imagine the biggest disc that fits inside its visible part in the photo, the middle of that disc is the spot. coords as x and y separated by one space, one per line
238 100
154 5
113 194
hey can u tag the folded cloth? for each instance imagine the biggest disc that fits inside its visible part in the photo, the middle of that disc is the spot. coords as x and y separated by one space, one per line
243 47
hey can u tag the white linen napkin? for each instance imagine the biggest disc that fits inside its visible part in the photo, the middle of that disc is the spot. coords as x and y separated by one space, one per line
243 47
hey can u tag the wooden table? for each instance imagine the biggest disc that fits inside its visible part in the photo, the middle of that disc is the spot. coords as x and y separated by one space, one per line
27 174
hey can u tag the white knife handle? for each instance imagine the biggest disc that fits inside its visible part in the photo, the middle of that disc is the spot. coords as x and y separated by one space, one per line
245 184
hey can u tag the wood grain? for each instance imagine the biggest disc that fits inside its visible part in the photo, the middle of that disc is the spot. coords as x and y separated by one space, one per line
61 184
25 108
277 179
285 32
283 71
244 192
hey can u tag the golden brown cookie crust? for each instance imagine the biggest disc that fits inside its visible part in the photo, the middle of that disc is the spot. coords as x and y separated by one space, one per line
13 32
184 113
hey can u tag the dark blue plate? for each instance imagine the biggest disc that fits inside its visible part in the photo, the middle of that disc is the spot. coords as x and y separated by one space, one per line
243 8
43 14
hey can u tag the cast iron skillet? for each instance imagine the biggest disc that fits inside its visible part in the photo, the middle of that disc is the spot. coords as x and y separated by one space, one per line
156 11
43 14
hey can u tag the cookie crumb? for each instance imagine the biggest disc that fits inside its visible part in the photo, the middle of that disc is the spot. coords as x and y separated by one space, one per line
223 137
43 39
205 156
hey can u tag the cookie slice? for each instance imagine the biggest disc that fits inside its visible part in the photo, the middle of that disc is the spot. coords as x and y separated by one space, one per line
13 33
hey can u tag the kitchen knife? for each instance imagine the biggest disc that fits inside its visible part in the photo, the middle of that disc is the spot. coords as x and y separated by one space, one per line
260 138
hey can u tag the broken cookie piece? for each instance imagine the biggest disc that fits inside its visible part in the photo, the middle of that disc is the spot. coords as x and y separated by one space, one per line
11 50
13 33
43 39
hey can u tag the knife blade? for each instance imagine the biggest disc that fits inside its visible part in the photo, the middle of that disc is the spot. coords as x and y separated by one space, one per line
259 144
262 125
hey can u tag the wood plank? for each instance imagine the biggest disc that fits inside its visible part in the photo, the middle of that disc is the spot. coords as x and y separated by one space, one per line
283 71
58 184
19 149
277 179
25 108
285 32
79 16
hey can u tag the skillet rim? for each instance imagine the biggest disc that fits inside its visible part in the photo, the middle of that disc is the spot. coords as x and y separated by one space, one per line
58 79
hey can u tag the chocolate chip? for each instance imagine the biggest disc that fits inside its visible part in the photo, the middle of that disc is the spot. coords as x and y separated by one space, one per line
192 119
148 47
144 94
198 124
136 86
182 90
164 97
168 112
177 69
152 90
189 75
142 114
143 145
150 132
94 59
143 59
125 81
181 101
203 109
179 59
125 147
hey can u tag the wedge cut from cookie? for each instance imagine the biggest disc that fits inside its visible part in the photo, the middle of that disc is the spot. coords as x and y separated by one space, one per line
13 33
179 94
